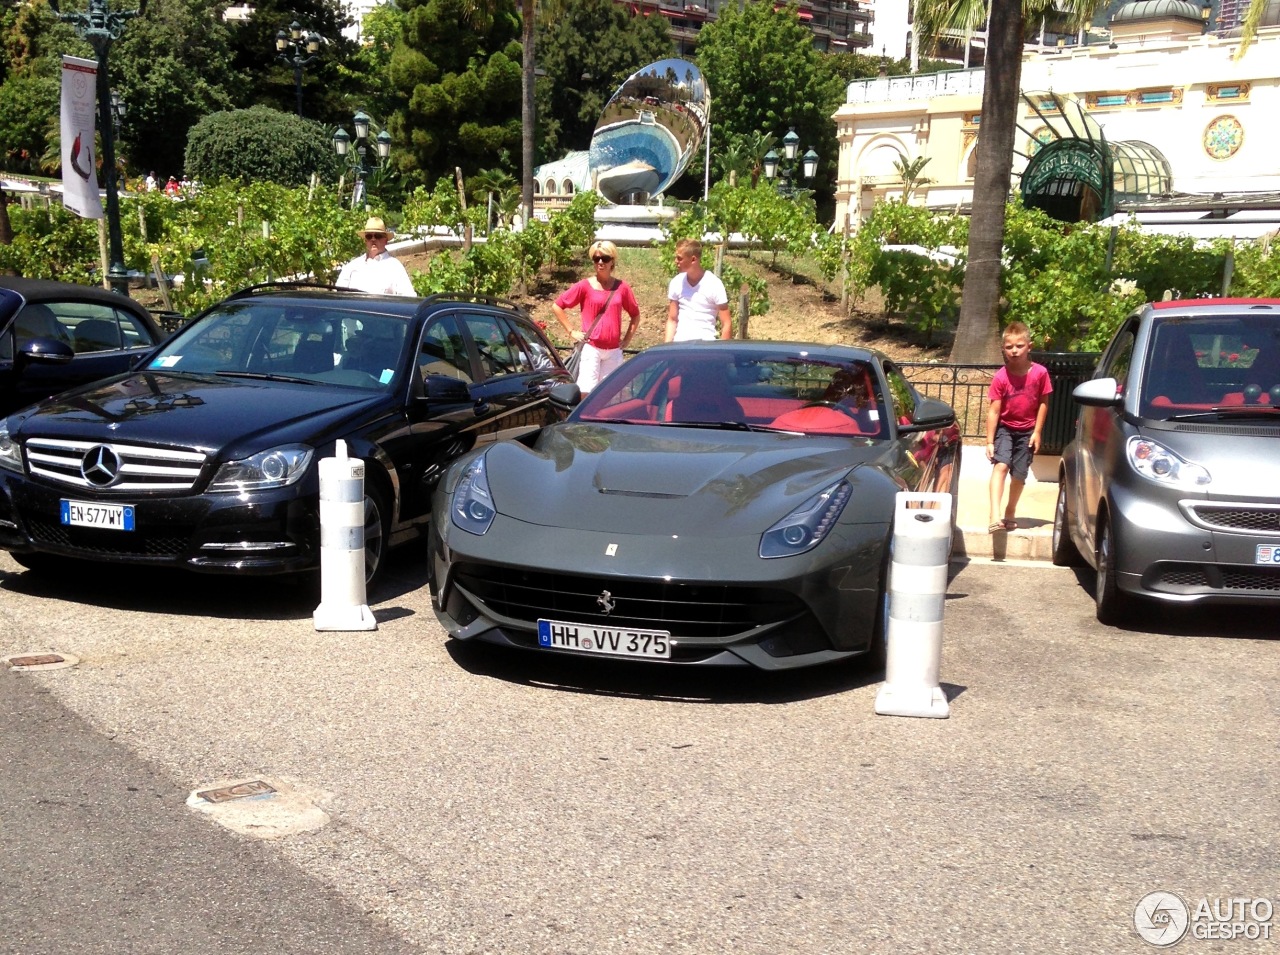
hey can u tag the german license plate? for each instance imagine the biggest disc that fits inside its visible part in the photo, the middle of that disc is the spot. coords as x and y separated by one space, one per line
620 642
112 517
1267 554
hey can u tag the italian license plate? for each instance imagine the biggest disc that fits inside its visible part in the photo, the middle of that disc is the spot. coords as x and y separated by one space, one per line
1267 554
112 517
620 642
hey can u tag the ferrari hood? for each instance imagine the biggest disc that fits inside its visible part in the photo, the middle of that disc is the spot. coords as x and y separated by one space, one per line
636 479
203 411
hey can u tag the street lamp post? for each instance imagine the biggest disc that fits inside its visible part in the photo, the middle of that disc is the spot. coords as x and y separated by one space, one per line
342 145
101 27
299 51
786 164
118 111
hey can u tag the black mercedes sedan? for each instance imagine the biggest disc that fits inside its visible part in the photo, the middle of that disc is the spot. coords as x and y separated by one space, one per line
206 456
708 503
56 335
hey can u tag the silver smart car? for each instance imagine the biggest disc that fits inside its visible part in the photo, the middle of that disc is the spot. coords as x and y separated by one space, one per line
1171 486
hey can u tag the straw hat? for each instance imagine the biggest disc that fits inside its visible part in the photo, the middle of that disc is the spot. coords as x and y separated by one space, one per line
375 226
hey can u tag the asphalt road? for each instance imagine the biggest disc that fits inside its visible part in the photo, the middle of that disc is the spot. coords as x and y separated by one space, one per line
490 802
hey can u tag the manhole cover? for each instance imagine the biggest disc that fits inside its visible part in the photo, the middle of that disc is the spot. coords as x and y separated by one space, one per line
40 661
261 809
251 787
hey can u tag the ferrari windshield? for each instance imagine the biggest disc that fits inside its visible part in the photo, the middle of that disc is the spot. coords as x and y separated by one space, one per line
794 392
1212 366
315 342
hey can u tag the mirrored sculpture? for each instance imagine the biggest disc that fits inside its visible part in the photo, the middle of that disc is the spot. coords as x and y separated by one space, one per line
649 132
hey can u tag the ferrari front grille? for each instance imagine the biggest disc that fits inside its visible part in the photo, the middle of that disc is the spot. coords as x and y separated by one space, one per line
685 609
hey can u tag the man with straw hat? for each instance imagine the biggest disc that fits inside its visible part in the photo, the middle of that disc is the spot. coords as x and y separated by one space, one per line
377 271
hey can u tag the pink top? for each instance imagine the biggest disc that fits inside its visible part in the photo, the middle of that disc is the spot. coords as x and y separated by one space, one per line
1020 395
608 333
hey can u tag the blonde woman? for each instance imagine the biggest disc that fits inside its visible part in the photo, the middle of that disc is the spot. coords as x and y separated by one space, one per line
602 299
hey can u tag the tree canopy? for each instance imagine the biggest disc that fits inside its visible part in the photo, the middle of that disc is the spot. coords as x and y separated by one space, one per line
460 77
586 49
766 77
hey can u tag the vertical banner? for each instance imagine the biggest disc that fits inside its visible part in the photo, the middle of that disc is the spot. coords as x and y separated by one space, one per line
79 101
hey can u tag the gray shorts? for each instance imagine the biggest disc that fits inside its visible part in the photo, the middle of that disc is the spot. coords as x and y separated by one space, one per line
1013 448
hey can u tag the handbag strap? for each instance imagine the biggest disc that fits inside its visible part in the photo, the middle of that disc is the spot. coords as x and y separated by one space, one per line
600 316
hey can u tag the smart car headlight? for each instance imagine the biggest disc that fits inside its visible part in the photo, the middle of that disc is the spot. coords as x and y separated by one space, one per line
10 453
473 509
1157 463
277 467
806 526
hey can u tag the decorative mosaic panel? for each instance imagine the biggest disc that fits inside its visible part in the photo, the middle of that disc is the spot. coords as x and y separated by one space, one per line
1041 136
1234 92
1223 137
1131 99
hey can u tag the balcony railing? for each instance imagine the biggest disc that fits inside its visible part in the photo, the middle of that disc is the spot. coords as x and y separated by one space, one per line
899 89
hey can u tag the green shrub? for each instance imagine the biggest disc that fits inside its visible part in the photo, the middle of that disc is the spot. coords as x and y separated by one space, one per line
260 145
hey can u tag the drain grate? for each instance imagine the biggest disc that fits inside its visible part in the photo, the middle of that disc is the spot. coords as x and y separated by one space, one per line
251 787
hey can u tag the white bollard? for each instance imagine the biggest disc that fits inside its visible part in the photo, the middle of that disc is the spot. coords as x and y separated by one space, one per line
342 597
917 595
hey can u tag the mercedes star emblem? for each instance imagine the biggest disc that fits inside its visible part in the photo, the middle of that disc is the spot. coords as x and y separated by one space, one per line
100 466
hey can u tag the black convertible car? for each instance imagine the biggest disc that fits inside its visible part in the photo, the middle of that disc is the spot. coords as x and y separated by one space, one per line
56 335
708 503
206 456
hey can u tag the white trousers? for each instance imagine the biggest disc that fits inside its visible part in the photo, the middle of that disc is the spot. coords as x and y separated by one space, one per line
596 364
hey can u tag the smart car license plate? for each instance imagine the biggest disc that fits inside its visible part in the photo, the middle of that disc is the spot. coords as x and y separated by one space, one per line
113 517
1267 554
649 644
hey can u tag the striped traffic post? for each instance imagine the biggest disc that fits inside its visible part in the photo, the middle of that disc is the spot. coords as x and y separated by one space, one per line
917 595
342 592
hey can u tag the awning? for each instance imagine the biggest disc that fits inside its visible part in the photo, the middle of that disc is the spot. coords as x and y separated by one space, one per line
1241 224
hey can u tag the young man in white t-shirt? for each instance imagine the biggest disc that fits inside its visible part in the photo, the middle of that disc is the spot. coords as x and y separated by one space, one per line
697 300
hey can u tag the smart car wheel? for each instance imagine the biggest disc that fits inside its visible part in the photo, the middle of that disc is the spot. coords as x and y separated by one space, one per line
1111 604
1065 553
377 516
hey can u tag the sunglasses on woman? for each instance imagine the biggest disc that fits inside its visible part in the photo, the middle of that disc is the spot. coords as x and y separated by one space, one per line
601 258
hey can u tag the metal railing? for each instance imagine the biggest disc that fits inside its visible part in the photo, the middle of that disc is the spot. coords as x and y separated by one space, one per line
964 387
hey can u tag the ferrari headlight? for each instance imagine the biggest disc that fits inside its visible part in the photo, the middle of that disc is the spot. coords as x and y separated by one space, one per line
1157 463
10 453
806 526
473 509
278 467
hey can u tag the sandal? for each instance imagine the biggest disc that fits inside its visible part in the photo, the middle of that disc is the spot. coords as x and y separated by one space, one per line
995 527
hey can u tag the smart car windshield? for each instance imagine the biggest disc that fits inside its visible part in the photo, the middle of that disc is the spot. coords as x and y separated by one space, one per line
291 341
1213 367
804 394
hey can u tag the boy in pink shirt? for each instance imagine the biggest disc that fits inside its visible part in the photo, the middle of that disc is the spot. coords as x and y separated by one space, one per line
1019 403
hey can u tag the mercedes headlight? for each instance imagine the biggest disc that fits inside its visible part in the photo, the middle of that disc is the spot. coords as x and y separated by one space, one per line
278 467
806 526
1157 463
10 453
472 508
